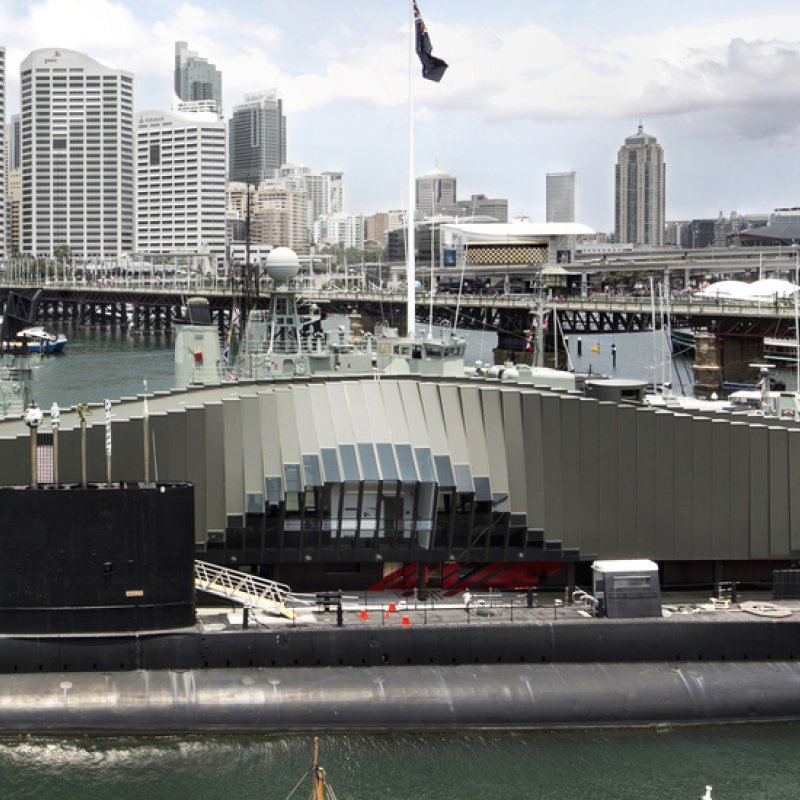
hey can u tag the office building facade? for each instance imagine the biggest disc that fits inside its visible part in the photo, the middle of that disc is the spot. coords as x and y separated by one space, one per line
435 190
639 201
4 248
560 197
77 155
257 138
195 78
180 200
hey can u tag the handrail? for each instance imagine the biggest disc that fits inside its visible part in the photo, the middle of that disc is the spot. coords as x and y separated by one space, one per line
241 587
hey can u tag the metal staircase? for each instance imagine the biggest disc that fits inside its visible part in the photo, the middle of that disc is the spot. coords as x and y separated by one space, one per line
248 590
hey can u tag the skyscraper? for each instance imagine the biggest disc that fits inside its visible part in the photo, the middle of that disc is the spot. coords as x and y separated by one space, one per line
180 198
77 155
560 197
257 138
3 161
639 196
434 190
196 78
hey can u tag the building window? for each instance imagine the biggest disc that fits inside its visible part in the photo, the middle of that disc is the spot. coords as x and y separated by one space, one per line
155 155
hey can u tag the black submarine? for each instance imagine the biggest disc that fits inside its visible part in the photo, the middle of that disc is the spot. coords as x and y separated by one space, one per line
100 632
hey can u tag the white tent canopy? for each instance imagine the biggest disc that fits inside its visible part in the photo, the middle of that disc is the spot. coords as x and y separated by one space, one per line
765 289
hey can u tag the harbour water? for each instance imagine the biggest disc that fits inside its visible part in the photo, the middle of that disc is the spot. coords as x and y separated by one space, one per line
740 761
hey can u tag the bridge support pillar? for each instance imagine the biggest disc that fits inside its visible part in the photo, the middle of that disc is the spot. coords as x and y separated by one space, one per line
724 359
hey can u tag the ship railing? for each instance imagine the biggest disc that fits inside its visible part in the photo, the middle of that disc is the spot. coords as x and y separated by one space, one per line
241 587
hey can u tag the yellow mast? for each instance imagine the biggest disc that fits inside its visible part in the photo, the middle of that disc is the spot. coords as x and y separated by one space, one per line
318 775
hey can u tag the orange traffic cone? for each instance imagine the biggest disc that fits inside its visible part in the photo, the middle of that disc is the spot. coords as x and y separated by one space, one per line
386 615
364 614
392 606
405 622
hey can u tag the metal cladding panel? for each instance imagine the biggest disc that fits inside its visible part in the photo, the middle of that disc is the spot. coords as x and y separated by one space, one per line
376 411
396 423
434 418
18 451
406 463
627 482
127 450
304 418
720 531
646 456
794 497
664 507
779 536
701 497
159 438
534 459
357 408
15 465
415 417
270 438
340 413
473 422
175 441
551 454
570 467
387 461
512 417
454 423
739 534
588 472
759 491
213 458
493 425
195 450
607 541
287 427
232 447
684 470
251 443
322 414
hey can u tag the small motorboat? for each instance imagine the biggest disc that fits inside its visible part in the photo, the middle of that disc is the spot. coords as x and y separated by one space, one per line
35 340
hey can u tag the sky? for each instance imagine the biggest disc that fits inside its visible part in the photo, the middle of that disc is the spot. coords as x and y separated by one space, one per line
534 86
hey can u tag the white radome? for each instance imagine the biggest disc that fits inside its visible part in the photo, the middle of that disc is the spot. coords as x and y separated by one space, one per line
282 264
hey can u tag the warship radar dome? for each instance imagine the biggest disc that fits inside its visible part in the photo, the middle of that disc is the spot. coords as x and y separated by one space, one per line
282 265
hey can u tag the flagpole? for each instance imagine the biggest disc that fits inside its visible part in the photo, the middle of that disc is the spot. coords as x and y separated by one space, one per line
410 238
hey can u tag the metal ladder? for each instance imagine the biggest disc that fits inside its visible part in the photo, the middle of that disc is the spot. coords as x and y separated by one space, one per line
248 590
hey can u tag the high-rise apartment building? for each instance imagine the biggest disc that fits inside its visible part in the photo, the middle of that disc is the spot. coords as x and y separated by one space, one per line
257 138
180 198
435 189
13 139
4 160
560 197
639 196
77 155
196 78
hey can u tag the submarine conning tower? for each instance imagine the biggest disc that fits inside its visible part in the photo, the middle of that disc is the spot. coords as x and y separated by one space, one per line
100 559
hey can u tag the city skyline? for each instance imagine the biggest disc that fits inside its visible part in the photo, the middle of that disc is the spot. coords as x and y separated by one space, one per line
529 90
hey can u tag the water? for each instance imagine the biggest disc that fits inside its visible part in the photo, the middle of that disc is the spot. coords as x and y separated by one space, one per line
739 761
659 764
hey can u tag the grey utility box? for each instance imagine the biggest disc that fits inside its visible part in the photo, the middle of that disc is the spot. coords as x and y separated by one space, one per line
627 588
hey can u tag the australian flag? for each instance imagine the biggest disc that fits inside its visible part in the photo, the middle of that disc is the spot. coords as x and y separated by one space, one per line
432 68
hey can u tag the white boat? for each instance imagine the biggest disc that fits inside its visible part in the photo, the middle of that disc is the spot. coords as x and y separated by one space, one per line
34 339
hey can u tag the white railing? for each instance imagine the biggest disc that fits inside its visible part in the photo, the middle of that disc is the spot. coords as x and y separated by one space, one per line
241 587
